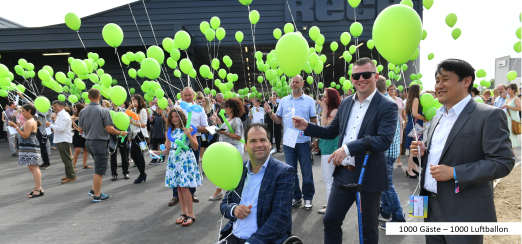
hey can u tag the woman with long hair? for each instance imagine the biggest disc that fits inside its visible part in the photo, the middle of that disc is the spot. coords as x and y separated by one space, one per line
329 104
512 107
78 140
182 170
234 109
139 134
414 118
29 148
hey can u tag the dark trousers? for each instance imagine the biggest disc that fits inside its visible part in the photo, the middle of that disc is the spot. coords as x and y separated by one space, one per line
390 204
196 154
124 153
137 156
232 239
302 153
435 215
275 131
339 203
43 148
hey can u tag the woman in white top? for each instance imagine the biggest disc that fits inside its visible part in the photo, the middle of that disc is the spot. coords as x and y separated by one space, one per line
139 134
257 113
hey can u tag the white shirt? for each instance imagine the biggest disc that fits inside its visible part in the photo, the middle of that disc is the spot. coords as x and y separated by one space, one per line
198 118
143 120
258 114
354 125
438 140
62 127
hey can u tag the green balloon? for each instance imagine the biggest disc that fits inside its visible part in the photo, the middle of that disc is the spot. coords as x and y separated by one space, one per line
431 56
61 97
172 63
101 62
222 73
214 63
485 83
289 27
481 73
427 3
352 49
277 33
112 35
320 85
177 73
408 3
517 46
151 68
42 104
215 22
120 120
185 65
182 40
140 56
356 29
345 38
334 46
80 85
168 44
380 68
156 53
456 33
354 3
72 99
220 33
245 2
253 16
227 61
204 26
210 34
347 56
132 91
292 53
204 71
314 32
397 32
223 165
163 103
427 100
400 88
511 75
424 34
451 19
429 113
518 33
239 36
404 67
72 21
118 95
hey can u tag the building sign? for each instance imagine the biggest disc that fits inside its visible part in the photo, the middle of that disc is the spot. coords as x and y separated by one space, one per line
331 10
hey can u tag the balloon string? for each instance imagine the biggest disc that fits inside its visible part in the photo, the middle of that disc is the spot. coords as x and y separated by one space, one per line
197 80
150 23
291 15
79 37
136 24
243 64
122 71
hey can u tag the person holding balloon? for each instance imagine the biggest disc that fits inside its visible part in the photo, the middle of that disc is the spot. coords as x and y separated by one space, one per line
182 168
138 135
231 130
415 119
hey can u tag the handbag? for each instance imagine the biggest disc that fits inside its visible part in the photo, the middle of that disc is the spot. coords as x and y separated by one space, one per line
515 126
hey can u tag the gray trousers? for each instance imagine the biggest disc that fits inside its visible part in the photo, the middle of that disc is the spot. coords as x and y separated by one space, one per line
65 153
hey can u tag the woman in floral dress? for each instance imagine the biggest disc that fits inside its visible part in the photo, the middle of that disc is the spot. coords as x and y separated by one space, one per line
182 169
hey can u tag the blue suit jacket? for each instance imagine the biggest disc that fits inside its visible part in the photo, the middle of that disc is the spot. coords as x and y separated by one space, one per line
274 206
375 136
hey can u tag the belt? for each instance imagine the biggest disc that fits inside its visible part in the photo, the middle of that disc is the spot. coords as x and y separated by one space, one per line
349 167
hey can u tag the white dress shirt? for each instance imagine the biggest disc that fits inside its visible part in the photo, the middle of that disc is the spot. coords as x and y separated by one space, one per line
62 127
439 137
354 125
198 118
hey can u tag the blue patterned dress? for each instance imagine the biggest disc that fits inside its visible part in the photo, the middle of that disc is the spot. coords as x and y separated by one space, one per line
182 169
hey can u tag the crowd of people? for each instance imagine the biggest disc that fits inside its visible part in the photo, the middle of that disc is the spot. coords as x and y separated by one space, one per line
378 120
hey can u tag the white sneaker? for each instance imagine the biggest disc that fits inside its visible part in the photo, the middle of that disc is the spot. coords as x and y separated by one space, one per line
308 204
322 210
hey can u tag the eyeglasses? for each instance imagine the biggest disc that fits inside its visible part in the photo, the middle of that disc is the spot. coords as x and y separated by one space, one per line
365 75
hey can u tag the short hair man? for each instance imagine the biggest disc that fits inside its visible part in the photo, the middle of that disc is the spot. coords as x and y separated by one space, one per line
263 214
467 147
62 127
96 123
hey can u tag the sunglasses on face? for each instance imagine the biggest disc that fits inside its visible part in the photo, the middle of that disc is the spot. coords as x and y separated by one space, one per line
365 75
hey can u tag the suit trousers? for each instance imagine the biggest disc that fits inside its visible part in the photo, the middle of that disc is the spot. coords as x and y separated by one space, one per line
339 203
65 153
124 153
434 215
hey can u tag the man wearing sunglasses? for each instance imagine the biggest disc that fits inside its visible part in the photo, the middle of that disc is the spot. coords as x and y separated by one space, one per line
366 121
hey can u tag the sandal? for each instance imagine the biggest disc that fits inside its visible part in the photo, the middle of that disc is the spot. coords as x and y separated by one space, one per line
181 219
186 221
87 167
32 195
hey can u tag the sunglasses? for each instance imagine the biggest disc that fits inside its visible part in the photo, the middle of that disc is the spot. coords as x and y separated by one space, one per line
365 75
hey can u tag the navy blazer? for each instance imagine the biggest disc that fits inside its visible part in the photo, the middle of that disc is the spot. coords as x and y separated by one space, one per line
375 136
274 206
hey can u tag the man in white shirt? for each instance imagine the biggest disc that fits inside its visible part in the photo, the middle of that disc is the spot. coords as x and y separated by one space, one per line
257 113
62 127
467 147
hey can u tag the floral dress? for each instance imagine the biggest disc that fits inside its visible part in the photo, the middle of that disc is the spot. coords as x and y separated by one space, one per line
182 168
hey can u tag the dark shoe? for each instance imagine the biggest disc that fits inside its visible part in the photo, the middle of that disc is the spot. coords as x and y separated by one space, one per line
173 201
44 166
126 176
296 203
102 197
141 178
114 178
195 199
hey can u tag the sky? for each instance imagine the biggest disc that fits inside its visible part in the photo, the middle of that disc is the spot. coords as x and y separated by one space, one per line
488 27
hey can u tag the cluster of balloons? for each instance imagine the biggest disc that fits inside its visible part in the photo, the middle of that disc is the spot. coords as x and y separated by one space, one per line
6 84
429 105
451 20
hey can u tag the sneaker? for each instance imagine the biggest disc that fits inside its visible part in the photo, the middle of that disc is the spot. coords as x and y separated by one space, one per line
102 197
91 193
296 203
383 219
308 204
322 210
382 225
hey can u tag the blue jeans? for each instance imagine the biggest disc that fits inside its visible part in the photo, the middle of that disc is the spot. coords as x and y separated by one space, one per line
301 152
390 204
